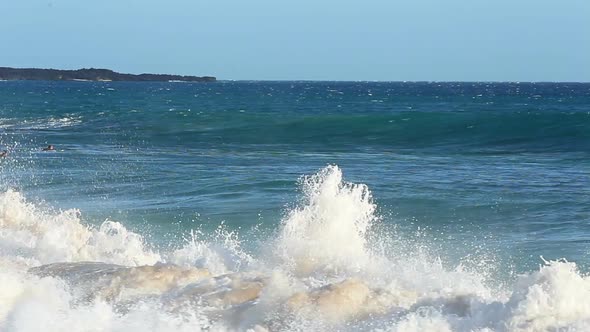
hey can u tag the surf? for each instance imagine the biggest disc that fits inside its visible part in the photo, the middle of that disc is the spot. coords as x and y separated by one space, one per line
324 268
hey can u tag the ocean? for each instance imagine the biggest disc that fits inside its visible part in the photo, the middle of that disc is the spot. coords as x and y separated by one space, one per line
294 206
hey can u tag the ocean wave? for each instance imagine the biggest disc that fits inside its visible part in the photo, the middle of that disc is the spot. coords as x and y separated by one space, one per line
324 269
49 123
480 130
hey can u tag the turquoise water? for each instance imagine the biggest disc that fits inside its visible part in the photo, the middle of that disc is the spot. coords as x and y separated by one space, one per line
487 176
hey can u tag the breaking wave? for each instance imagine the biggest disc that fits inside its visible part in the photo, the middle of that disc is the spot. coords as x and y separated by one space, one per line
325 268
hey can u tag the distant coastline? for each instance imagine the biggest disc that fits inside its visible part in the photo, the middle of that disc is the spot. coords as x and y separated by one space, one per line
92 74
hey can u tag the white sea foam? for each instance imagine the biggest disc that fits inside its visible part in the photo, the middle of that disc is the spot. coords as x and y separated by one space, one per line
325 271
41 123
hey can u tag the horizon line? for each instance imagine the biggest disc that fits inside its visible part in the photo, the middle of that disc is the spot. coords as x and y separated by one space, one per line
395 81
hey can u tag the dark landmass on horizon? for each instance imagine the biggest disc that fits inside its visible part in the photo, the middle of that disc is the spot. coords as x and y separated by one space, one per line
91 74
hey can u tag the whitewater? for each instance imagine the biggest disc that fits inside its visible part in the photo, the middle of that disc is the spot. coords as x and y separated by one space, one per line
329 266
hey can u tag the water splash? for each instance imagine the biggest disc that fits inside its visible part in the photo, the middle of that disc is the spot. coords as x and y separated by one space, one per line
328 231
324 274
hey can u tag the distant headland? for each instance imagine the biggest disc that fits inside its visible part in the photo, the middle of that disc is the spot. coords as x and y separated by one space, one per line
91 74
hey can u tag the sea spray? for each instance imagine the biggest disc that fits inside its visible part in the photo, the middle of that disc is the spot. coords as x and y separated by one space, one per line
220 252
322 274
328 230
45 236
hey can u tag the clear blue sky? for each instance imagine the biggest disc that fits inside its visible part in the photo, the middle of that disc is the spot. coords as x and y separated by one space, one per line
459 40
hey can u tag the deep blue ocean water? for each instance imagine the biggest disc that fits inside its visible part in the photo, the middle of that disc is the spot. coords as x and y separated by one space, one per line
494 174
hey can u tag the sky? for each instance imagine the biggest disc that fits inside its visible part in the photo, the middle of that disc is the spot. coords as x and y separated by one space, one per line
376 40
